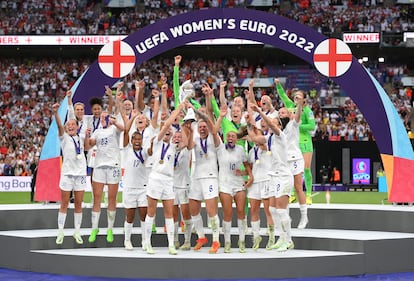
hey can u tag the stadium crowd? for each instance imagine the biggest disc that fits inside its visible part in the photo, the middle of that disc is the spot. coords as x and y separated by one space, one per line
28 87
91 17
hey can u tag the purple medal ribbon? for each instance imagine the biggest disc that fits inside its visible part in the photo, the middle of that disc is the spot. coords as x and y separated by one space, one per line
106 122
164 150
258 117
139 155
229 146
203 145
80 127
176 158
176 126
142 133
77 146
97 124
269 142
256 155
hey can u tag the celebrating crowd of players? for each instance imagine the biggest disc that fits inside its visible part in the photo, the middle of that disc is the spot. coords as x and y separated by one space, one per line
195 153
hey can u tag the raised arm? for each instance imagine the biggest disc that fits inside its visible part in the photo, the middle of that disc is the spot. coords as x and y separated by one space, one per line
250 94
282 94
299 107
128 124
223 113
154 120
71 110
187 127
176 80
108 92
61 129
222 94
208 93
118 100
164 94
169 121
139 95
185 135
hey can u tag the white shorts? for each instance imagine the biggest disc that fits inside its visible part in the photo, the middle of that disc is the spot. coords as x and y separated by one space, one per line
90 157
134 197
108 175
297 166
232 190
281 185
72 183
181 196
160 187
259 190
203 189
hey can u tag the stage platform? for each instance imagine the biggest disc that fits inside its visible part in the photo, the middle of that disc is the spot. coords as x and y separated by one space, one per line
340 240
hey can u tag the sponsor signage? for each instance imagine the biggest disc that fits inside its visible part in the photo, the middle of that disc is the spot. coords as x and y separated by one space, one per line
361 171
368 37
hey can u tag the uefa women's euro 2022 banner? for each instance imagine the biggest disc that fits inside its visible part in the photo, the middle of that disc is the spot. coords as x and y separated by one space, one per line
331 57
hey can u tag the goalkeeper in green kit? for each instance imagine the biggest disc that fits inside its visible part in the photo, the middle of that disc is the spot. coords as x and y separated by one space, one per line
306 127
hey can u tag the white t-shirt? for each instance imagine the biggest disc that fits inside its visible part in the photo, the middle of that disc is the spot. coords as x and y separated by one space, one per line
147 134
230 160
163 157
261 162
134 163
205 164
278 147
182 168
292 137
107 145
258 118
82 124
74 161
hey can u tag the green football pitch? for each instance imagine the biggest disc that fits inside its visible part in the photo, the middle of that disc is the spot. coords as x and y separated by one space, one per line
337 197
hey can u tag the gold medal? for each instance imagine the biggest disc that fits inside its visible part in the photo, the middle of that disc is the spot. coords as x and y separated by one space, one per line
206 155
257 161
268 152
79 156
161 161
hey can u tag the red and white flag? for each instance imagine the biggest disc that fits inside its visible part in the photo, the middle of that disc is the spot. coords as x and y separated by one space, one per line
116 59
332 57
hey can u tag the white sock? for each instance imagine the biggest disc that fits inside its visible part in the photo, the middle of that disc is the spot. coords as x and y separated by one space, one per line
187 232
271 231
176 231
198 225
61 220
256 228
77 218
143 233
95 219
111 218
215 224
148 228
226 230
275 217
303 210
285 223
169 224
242 229
128 230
